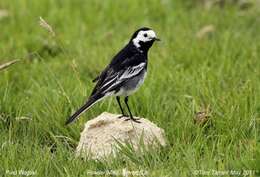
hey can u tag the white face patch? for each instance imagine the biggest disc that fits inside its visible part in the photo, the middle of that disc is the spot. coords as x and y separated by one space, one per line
144 36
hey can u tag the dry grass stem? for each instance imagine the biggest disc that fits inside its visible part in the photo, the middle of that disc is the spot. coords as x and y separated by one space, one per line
6 65
205 31
46 26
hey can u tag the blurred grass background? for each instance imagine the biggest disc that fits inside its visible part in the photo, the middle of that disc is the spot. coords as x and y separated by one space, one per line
208 61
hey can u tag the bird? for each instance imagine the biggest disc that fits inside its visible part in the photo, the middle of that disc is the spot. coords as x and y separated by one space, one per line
123 75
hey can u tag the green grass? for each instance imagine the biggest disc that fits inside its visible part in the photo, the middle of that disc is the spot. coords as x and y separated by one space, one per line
186 74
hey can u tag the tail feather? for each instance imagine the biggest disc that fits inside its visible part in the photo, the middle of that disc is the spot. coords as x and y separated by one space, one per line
91 101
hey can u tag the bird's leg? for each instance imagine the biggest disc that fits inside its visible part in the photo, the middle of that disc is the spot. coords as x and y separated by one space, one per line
131 116
122 111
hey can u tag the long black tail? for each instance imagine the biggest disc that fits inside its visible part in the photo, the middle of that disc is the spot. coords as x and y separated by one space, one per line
91 101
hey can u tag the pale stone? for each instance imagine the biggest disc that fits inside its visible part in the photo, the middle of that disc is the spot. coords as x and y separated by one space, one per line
100 135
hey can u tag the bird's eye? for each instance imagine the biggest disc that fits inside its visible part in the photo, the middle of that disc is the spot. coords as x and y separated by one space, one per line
145 35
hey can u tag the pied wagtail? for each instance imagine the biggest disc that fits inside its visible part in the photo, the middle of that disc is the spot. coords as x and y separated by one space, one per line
125 73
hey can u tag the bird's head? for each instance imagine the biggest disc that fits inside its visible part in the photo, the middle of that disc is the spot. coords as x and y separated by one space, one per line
144 38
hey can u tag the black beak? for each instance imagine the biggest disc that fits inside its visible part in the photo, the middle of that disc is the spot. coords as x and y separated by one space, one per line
157 39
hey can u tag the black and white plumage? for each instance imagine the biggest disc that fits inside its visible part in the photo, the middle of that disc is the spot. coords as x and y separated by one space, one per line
125 73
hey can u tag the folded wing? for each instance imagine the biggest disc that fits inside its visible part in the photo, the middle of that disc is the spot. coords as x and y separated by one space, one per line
115 79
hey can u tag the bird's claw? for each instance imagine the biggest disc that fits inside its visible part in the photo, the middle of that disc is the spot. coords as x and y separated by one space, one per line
133 119
119 117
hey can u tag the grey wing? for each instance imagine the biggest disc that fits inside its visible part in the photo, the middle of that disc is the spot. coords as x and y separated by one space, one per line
114 75
118 78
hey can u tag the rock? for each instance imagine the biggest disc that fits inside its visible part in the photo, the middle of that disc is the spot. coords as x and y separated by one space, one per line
100 135
201 118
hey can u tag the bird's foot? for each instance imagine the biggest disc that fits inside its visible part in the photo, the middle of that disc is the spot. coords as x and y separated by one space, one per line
122 116
133 119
